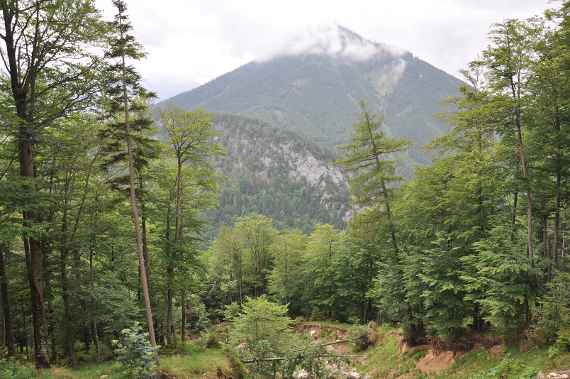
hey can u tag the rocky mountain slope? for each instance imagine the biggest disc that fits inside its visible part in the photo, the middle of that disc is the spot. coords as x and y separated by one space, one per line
279 174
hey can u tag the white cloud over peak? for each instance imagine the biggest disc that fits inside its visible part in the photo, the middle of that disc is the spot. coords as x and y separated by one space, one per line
329 39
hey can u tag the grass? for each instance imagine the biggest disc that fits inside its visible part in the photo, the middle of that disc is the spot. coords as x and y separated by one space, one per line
385 361
480 364
200 365
193 362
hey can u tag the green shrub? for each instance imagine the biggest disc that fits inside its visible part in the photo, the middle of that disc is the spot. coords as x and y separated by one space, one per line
214 337
261 332
134 352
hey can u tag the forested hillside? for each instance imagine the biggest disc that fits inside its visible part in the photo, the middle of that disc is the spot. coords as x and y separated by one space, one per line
117 259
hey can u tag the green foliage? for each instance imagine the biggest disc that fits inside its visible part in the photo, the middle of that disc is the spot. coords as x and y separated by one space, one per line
134 352
505 280
554 315
262 337
369 157
287 279
261 330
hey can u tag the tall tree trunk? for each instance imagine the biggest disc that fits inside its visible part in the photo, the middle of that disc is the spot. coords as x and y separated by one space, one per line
138 234
68 337
183 317
558 200
8 331
171 340
133 200
145 240
524 164
178 228
33 250
178 204
48 291
92 307
144 232
514 214
135 211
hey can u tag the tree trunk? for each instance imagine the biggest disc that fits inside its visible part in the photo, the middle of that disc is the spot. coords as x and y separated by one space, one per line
178 203
169 276
8 331
557 226
33 250
183 317
68 338
135 213
139 242
133 201
524 165
144 232
49 299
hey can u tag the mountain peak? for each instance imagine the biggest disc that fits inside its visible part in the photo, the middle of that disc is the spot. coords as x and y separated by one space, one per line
334 40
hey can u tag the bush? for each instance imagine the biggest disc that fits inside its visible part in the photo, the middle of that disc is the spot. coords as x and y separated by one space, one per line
262 332
214 337
134 352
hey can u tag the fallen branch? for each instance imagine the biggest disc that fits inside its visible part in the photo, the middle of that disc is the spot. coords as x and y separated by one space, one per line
276 359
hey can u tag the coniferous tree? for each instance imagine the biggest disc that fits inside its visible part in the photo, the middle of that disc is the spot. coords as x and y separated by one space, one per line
370 156
123 88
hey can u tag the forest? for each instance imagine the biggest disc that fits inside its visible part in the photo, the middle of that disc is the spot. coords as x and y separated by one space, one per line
106 254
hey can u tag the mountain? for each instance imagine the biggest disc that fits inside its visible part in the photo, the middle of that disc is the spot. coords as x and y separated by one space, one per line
277 173
285 113
314 84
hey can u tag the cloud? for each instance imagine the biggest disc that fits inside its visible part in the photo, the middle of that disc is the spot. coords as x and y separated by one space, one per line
329 39
197 40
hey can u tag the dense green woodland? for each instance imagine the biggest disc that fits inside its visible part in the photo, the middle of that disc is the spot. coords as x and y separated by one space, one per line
103 225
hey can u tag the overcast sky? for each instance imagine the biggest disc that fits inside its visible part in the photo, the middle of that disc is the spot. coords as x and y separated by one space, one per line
194 41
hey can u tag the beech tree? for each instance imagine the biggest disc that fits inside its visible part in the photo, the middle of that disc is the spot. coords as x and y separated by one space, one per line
190 136
50 67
